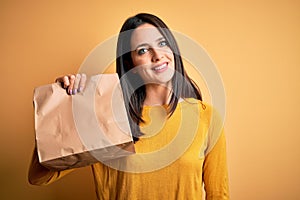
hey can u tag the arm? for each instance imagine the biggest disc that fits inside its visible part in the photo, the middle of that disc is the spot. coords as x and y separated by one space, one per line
215 173
40 175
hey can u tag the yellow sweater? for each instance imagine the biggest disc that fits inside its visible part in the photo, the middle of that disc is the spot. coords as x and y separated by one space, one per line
175 158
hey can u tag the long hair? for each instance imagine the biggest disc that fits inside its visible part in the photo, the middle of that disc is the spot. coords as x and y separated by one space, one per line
132 85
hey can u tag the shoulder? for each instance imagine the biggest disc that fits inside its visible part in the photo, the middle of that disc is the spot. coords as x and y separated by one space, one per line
205 111
204 108
192 101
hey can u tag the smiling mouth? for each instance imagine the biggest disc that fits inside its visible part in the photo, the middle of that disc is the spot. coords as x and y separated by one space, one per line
160 67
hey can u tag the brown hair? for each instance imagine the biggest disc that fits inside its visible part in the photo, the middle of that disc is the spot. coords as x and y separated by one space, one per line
132 85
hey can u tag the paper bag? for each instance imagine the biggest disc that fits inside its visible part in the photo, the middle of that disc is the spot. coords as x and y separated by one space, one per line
78 130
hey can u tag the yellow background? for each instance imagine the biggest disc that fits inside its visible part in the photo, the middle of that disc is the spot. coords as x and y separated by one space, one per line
255 45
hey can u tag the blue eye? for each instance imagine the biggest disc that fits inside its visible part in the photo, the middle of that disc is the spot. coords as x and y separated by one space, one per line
142 51
163 43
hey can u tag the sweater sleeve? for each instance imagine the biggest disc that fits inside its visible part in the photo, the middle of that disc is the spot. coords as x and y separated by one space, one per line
40 175
215 175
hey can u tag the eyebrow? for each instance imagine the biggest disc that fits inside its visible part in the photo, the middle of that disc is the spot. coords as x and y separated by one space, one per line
146 44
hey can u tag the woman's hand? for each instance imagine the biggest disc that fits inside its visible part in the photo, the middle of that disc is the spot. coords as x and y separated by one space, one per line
72 83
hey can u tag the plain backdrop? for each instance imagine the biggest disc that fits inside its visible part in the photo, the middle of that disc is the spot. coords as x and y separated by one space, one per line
255 45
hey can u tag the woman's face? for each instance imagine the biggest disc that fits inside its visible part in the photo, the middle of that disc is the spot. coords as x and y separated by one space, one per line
152 57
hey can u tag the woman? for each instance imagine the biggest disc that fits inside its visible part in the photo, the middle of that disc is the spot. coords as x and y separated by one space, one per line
179 145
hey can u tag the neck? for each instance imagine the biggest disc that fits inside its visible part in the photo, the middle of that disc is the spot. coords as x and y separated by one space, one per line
157 94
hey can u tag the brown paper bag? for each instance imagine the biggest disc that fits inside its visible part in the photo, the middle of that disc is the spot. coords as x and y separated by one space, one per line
79 130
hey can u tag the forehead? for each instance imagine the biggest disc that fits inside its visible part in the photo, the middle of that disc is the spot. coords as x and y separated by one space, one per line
144 34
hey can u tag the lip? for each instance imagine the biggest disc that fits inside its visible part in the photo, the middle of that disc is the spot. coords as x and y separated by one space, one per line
160 67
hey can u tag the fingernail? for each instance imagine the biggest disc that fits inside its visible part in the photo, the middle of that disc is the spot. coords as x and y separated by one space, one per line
70 91
80 89
74 91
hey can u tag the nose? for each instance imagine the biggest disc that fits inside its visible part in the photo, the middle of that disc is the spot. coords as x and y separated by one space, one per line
157 54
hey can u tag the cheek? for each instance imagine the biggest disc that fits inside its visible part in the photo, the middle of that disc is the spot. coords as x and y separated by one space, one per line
136 60
133 58
170 55
172 59
136 63
140 61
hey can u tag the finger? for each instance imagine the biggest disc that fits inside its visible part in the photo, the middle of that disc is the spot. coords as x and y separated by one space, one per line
59 80
71 85
66 81
82 83
76 83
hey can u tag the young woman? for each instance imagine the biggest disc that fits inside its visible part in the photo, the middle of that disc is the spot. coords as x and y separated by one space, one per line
179 143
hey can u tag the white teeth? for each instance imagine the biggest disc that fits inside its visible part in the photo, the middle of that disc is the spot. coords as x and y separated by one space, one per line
160 67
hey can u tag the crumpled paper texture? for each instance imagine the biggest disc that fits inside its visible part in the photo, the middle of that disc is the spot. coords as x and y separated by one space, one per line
79 130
